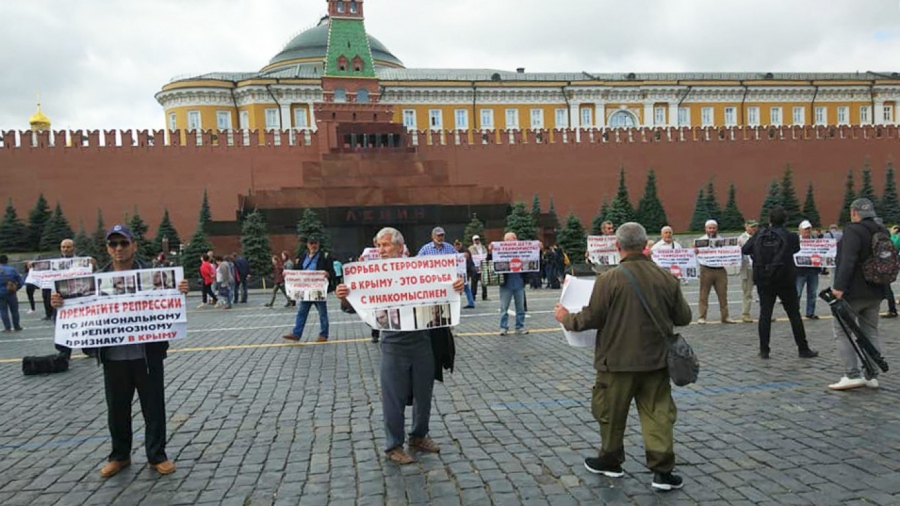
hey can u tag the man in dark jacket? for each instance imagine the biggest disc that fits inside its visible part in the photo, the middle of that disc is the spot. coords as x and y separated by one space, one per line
132 367
780 283
630 357
854 249
315 259
242 271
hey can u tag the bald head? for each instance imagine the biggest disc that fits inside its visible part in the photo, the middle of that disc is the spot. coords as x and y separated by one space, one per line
67 247
510 236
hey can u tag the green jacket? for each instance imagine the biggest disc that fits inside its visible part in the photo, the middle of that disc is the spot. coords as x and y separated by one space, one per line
627 340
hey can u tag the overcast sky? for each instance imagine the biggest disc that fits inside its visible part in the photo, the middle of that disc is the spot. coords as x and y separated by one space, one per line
98 63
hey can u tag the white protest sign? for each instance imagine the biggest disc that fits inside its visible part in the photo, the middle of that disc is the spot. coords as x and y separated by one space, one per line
306 285
816 253
370 254
478 258
602 250
682 263
121 307
576 293
44 273
405 294
516 256
718 252
461 270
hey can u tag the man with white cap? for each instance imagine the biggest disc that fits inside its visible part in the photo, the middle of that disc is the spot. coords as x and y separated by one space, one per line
437 246
808 276
713 277
479 253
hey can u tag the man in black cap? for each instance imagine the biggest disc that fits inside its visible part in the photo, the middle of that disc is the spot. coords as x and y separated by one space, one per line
315 260
132 367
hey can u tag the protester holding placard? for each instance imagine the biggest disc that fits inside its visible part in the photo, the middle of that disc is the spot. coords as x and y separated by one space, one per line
131 367
437 246
750 229
667 240
407 356
479 255
712 277
512 284
321 262
808 275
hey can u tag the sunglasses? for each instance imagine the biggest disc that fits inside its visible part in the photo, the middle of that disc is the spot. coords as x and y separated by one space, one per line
116 244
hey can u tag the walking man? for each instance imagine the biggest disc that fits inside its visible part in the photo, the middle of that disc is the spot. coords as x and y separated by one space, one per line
750 229
407 367
808 276
242 269
315 260
854 248
713 277
630 357
10 282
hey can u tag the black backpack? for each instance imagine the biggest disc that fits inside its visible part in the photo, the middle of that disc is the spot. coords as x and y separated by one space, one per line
768 256
883 264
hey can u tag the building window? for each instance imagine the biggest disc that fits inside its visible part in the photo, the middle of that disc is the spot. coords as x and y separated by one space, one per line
194 120
684 116
300 118
775 116
435 119
622 119
512 119
562 118
753 115
888 114
659 116
353 7
272 122
173 121
730 116
821 116
340 6
462 119
362 96
223 120
409 119
340 95
843 115
706 117
537 119
799 118
864 115
244 120
586 118
487 119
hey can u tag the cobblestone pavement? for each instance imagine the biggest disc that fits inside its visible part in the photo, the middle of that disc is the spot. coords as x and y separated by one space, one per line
253 420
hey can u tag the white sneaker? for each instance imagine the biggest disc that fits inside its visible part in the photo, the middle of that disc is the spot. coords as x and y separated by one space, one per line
846 383
201 306
30 311
701 321
872 383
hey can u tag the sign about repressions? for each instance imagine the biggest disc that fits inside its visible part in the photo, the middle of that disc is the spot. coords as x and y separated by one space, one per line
682 263
44 273
816 253
404 294
718 252
310 286
121 307
602 250
516 256
575 295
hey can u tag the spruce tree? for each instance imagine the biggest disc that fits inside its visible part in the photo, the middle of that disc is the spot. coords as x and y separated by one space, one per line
474 227
597 222
255 244
732 219
572 239
536 207
308 226
890 204
37 220
205 214
650 211
713 211
698 219
621 210
197 247
789 198
166 229
13 231
521 222
773 198
84 244
810 212
849 197
867 190
145 251
99 239
56 230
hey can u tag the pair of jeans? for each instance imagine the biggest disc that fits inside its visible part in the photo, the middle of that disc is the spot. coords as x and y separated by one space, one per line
303 312
240 289
868 324
225 292
9 302
469 298
810 278
506 295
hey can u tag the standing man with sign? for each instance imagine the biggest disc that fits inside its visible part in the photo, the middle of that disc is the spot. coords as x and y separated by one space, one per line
808 276
713 277
750 229
132 367
315 260
479 255
407 366
512 287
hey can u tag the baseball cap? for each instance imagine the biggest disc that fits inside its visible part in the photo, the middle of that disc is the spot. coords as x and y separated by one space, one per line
863 208
475 237
805 224
752 223
122 230
437 231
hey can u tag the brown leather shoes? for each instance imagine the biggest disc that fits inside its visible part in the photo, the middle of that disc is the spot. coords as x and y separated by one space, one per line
321 339
292 337
164 467
424 444
399 456
113 467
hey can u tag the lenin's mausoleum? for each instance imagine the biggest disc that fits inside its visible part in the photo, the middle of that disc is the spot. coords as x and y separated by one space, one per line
336 123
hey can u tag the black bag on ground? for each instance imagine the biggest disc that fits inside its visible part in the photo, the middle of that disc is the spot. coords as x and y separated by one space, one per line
47 364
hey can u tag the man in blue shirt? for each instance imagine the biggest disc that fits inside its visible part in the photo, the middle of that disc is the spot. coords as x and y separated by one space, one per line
9 278
437 246
512 287
315 260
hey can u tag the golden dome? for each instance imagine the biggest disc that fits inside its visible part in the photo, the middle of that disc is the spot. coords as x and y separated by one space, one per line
38 120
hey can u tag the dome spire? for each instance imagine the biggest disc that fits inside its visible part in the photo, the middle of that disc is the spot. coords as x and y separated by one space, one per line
39 122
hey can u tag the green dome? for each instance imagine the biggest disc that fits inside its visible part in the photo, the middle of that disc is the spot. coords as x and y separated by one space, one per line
313 43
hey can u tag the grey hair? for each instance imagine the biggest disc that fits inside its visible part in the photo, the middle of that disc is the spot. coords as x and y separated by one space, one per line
631 236
396 236
666 228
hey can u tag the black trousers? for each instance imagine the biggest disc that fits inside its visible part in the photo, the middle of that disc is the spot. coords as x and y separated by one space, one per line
788 296
121 379
29 290
45 296
474 285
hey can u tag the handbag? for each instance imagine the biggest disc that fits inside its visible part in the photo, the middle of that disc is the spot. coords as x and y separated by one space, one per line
683 364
